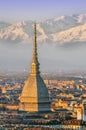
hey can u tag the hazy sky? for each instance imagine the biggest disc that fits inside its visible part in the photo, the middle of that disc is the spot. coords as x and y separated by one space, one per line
19 57
39 9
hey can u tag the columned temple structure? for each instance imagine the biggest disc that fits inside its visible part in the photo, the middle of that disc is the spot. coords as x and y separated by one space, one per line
34 97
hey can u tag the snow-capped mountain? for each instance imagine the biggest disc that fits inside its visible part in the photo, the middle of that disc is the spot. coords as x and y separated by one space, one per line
59 30
75 34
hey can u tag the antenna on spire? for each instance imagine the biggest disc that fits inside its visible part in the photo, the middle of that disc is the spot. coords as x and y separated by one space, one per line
35 46
35 63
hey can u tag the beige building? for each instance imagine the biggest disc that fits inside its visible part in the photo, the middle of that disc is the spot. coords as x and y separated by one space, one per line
79 113
84 110
34 97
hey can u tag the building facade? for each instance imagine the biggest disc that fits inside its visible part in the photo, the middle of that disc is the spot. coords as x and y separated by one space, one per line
84 111
34 97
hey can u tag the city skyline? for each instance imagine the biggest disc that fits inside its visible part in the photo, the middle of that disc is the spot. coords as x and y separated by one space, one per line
42 64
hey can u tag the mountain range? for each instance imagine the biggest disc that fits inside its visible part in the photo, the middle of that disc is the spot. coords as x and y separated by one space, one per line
59 30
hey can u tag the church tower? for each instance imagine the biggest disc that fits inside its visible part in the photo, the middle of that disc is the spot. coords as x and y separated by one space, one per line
34 97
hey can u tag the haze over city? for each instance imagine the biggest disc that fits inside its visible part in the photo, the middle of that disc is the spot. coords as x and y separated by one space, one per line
42 64
16 40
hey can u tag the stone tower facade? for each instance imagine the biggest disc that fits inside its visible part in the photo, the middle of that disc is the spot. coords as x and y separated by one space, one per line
34 97
84 111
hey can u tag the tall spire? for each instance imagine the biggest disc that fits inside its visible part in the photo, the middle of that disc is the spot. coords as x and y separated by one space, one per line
35 63
34 97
